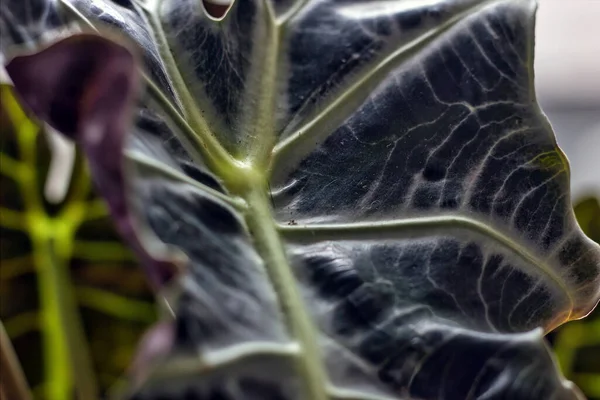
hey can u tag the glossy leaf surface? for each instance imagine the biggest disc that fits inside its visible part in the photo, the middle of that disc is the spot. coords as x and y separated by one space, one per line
363 197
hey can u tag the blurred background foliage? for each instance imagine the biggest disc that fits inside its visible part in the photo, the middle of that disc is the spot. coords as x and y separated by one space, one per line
72 299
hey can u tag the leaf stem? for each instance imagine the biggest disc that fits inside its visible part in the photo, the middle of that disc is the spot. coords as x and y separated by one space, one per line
268 243
66 357
79 357
56 361
260 115
202 135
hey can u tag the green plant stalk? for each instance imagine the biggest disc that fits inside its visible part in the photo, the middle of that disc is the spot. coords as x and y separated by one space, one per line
66 359
259 218
57 368
78 351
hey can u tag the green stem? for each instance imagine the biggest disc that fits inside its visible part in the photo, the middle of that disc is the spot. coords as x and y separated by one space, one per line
66 357
269 245
78 350
57 367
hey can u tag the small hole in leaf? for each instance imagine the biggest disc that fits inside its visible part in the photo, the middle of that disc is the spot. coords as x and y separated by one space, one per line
217 8
123 3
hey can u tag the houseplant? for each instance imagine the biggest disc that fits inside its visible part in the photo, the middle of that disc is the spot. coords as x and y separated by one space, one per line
331 199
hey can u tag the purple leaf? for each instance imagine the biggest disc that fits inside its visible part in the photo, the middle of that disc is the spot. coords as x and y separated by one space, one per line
85 87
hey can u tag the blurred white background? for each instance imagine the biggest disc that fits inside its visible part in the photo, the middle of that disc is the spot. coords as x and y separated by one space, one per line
568 84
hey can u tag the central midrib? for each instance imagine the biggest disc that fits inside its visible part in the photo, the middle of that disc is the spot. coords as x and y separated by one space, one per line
252 185
270 247
241 177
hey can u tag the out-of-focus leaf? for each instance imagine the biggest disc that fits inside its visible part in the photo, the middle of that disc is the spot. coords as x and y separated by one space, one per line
587 212
65 278
371 203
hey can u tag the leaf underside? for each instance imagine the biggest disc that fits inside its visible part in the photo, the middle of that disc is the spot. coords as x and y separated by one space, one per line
363 197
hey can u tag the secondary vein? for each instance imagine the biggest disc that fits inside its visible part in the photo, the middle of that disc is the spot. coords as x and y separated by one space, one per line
339 231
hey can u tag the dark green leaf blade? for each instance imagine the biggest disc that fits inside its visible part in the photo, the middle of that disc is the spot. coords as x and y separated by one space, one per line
403 247
453 139
28 23
127 17
176 211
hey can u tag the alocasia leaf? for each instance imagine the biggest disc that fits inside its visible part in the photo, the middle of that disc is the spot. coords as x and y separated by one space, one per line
363 197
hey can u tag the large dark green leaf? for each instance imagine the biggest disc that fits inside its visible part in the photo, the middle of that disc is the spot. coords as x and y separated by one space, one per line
370 203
